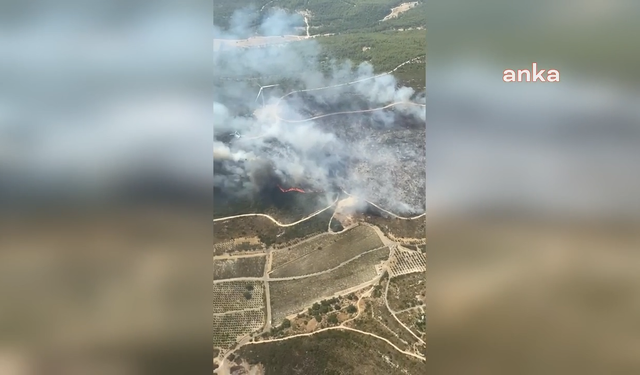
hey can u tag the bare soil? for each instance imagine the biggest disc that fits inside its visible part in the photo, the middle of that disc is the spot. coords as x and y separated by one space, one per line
400 9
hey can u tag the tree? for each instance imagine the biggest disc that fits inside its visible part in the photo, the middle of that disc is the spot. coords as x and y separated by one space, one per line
352 309
247 295
376 292
332 319
286 323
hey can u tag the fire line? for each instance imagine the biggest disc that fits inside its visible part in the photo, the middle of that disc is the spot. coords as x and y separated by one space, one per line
299 190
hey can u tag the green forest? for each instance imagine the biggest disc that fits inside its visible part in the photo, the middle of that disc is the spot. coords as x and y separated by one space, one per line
332 16
387 50
356 25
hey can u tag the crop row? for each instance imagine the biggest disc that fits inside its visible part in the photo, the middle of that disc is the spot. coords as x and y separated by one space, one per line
229 328
237 295
404 262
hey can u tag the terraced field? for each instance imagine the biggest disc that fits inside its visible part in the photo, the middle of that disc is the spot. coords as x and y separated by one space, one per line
238 267
289 297
232 296
229 327
324 253
237 245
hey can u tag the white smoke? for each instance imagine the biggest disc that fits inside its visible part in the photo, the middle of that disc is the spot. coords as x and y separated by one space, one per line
312 152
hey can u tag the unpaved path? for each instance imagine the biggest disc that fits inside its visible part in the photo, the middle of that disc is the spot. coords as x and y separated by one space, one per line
350 112
388 212
276 221
242 255
266 276
267 292
386 302
419 307
346 329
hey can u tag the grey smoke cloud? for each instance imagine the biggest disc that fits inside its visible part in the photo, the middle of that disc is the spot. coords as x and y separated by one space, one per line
342 150
279 22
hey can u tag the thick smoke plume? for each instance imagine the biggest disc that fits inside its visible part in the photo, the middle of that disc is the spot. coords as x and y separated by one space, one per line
262 135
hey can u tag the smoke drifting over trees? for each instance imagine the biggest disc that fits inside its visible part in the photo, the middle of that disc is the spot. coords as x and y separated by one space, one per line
305 138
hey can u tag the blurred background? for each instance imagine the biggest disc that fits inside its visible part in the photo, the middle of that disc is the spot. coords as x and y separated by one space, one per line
105 187
532 188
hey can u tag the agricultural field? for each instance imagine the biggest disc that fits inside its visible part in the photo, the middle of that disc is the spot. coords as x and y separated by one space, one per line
302 249
229 327
327 252
238 245
407 291
290 297
228 268
406 261
237 295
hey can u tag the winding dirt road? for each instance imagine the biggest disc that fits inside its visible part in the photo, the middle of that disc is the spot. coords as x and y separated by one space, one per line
276 106
276 221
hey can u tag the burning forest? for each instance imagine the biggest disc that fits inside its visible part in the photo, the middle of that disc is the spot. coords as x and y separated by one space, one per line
310 131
